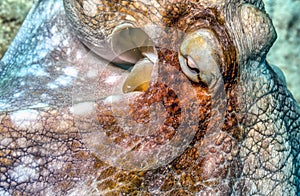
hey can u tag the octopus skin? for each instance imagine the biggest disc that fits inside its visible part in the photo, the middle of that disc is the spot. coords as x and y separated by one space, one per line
210 116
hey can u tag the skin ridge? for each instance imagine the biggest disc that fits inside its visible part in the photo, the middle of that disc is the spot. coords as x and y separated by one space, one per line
287 128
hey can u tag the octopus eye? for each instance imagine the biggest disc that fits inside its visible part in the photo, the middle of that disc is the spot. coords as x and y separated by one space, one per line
199 56
133 46
103 31
130 44
190 67
139 77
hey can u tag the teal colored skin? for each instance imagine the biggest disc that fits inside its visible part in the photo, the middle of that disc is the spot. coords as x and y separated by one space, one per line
41 72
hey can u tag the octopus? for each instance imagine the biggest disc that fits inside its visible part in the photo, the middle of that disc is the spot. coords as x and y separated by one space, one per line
143 97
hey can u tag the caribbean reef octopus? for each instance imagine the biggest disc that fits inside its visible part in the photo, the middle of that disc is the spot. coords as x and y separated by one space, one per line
146 97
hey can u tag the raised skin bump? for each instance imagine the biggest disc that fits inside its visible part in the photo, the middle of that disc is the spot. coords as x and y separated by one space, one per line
199 57
247 143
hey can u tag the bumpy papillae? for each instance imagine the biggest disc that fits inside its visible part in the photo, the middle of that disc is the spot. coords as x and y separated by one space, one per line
168 114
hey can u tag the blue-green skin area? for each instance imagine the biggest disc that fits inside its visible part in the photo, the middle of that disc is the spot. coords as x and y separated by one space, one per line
30 78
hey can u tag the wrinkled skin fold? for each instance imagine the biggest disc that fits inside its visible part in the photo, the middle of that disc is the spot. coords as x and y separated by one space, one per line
236 128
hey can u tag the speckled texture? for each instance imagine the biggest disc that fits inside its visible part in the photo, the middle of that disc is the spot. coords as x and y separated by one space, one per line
12 14
284 53
247 141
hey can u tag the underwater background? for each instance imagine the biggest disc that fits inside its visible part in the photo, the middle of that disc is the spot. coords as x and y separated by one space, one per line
285 53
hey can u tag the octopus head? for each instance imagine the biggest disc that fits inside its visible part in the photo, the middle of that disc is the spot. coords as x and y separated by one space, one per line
179 62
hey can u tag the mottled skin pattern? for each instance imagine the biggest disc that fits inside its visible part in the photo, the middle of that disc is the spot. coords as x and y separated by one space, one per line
249 147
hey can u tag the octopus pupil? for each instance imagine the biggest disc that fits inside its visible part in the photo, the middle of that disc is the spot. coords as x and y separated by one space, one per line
127 67
193 69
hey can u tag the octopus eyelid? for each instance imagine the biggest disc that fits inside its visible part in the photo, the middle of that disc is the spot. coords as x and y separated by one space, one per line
199 56
139 76
128 43
189 61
